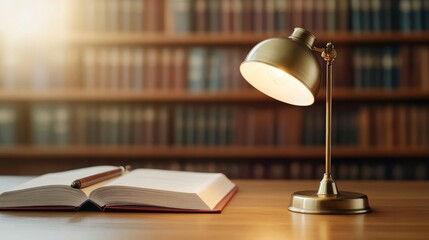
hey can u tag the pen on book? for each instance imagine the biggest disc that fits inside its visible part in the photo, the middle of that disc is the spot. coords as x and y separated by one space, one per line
99 177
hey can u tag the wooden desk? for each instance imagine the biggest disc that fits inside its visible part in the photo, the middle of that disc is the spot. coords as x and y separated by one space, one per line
258 211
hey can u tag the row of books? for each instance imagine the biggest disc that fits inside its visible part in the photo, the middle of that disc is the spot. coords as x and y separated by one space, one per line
195 69
388 126
235 16
391 67
382 67
389 15
377 67
133 69
316 15
302 169
118 15
383 125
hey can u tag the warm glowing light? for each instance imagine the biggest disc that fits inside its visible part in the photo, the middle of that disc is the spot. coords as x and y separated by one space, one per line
276 83
29 19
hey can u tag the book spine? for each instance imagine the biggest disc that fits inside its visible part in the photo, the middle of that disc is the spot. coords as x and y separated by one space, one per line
366 15
112 16
8 116
152 72
125 16
182 16
343 15
113 64
270 16
280 15
200 126
200 15
248 22
41 119
425 13
179 125
125 75
297 13
258 16
61 125
237 16
166 72
358 67
405 15
197 69
331 16
163 126
125 126
376 16
387 68
214 70
356 16
416 15
180 69
214 16
226 16
102 68
149 129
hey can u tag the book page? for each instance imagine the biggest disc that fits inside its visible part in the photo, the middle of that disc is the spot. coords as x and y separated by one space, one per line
166 180
164 188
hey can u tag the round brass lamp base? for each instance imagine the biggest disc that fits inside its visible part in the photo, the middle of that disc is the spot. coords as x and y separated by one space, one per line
342 203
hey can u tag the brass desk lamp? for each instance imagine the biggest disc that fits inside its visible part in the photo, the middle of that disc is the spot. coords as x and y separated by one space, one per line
286 69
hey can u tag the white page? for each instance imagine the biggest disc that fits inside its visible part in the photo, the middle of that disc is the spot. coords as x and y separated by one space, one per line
166 180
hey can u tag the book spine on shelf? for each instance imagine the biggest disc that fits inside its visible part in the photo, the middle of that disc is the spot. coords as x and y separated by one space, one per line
343 14
180 69
308 12
366 19
214 16
197 69
215 70
376 15
200 15
425 14
356 15
416 15
281 15
405 15
42 120
270 16
8 126
181 10
61 125
237 16
331 16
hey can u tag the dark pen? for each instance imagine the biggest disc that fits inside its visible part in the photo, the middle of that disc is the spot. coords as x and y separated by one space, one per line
99 177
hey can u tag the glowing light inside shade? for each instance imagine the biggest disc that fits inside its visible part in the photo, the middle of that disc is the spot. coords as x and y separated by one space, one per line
276 83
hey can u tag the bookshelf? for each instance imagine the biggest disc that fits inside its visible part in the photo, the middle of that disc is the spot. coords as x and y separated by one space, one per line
340 94
66 83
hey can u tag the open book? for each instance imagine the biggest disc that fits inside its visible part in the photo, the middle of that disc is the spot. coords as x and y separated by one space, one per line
138 190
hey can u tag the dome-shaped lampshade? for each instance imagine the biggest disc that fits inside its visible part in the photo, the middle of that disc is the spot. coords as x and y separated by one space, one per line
285 68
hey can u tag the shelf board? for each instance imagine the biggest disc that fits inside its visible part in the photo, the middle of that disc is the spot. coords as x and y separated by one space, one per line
251 95
233 152
236 39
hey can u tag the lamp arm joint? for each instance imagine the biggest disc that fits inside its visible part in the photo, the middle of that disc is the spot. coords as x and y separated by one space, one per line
328 53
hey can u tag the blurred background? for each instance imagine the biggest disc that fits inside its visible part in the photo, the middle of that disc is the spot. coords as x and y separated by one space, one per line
156 84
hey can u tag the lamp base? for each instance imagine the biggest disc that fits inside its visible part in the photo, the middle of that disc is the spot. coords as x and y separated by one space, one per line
342 203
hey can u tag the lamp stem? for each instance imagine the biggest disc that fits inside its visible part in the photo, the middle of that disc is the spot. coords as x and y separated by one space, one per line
327 185
328 140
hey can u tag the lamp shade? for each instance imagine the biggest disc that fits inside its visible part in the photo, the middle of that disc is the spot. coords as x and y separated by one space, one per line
285 68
